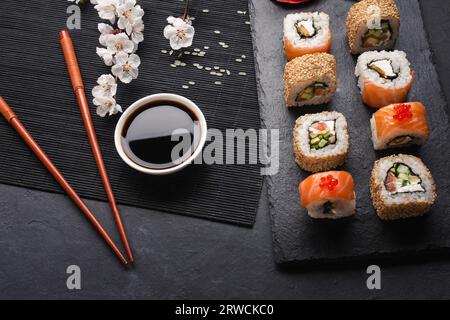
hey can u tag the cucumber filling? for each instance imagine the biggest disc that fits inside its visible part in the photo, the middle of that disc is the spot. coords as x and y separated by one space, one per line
377 37
322 134
317 89
401 179
306 28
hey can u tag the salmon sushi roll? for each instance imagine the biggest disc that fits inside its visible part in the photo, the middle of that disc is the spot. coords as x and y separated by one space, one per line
306 32
310 80
373 25
399 125
384 77
321 141
401 186
328 195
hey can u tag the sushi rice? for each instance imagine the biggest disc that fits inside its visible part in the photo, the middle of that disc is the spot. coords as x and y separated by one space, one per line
321 22
328 157
378 87
391 205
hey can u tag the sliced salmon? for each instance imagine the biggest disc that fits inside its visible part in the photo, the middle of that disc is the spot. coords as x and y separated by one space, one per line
294 52
376 96
415 123
316 188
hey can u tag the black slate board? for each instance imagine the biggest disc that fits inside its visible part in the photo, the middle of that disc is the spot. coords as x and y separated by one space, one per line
297 239
35 83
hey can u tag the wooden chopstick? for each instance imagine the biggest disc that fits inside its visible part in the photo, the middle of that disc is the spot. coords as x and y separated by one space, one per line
11 117
78 87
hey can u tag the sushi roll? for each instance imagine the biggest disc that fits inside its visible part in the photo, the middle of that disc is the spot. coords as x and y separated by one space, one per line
373 25
310 80
401 187
306 32
399 125
328 195
321 141
384 77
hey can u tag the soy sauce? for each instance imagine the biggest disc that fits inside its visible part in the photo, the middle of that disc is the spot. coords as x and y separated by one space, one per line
153 131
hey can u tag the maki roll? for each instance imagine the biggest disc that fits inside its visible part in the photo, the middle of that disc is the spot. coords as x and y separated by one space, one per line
328 195
321 141
401 187
399 125
384 77
310 80
373 25
306 32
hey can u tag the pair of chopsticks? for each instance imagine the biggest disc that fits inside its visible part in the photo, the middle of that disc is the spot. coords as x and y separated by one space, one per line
78 87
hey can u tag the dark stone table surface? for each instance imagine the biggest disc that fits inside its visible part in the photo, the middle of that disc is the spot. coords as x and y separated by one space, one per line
41 234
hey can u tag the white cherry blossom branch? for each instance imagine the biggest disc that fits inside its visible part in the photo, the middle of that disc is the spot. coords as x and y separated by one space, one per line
119 40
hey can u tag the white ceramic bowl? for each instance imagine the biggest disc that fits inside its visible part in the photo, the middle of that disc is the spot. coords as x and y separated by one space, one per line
165 97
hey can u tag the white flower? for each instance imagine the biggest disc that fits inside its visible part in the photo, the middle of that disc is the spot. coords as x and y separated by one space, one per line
128 13
107 87
107 9
119 43
179 32
137 31
106 55
106 32
126 67
106 105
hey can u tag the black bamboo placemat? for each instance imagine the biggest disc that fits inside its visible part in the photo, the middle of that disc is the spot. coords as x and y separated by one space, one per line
298 239
34 81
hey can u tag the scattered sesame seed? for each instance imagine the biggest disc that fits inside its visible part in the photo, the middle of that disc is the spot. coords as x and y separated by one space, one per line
208 68
185 86
200 67
192 83
197 50
187 52
228 72
212 73
243 56
177 62
247 22
222 43
217 31
219 74
183 64
192 18
206 47
218 82
205 10
222 70
172 65
202 54
171 52
216 68
238 60
194 53
225 46
163 51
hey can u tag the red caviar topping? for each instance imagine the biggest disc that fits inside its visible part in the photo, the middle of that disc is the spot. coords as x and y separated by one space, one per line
328 182
402 111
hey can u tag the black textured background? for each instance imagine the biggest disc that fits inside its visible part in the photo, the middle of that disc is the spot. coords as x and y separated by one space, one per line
34 81
180 257
300 239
